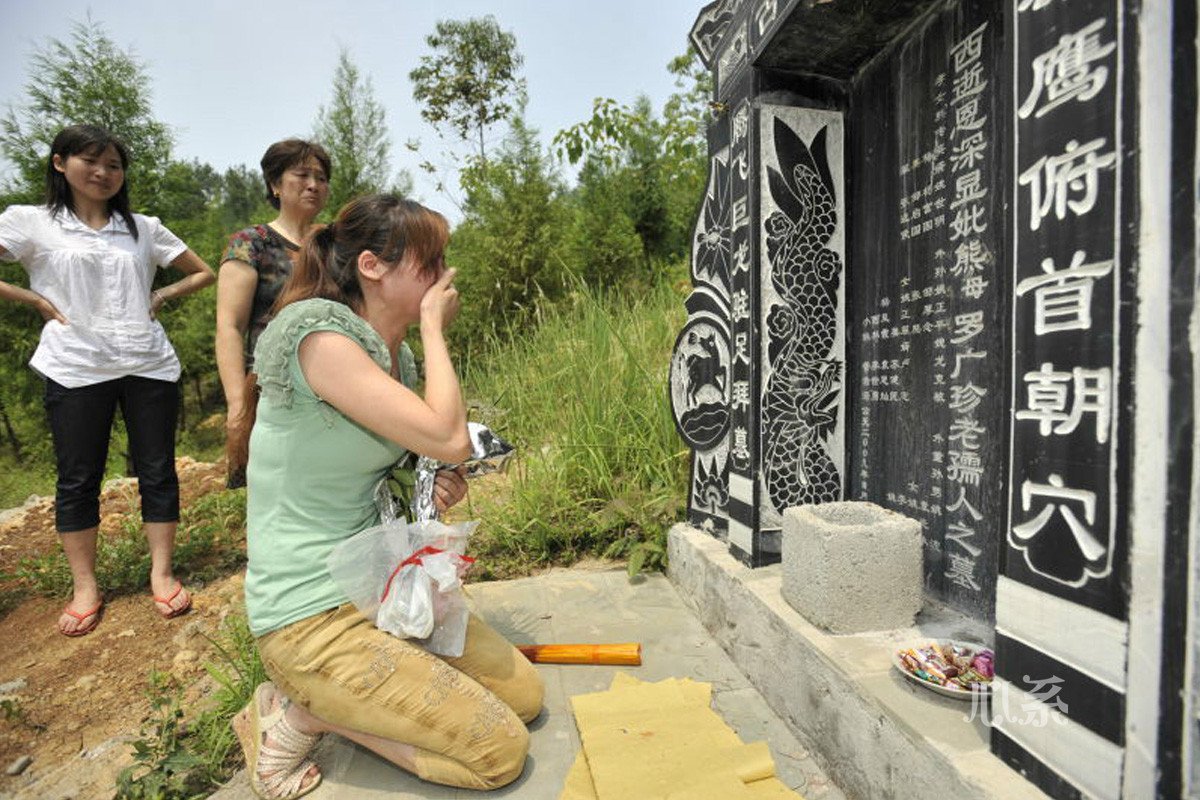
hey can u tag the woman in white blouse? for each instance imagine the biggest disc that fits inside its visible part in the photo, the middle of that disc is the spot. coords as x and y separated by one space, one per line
91 264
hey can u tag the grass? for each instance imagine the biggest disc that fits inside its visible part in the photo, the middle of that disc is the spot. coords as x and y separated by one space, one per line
210 543
35 475
175 757
601 470
178 754
19 480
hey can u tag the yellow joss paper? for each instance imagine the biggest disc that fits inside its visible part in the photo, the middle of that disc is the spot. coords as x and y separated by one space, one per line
663 741
579 781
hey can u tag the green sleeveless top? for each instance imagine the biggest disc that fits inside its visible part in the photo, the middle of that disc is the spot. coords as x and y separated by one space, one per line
312 470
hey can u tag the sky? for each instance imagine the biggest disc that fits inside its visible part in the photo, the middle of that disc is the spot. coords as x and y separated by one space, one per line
232 77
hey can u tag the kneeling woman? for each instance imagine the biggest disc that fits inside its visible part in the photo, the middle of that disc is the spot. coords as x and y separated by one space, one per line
336 412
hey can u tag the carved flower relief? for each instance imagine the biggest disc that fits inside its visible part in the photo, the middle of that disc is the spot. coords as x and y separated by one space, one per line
710 484
711 248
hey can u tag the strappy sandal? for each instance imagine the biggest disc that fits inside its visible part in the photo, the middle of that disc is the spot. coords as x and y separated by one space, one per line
285 761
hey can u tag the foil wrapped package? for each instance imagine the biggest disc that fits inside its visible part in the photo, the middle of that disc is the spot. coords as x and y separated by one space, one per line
408 492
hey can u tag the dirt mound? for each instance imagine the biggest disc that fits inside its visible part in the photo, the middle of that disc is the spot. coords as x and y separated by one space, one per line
72 704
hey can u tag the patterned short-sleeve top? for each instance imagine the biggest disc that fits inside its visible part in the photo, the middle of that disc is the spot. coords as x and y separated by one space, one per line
271 256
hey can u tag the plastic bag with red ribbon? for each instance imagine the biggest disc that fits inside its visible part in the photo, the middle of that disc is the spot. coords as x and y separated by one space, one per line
407 579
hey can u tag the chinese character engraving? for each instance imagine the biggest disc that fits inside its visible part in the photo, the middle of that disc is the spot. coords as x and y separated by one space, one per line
1068 71
968 51
968 151
740 397
961 571
1069 181
740 307
1089 545
1048 399
1063 298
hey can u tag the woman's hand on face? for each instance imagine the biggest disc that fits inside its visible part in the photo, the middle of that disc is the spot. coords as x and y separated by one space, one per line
439 306
449 487
48 310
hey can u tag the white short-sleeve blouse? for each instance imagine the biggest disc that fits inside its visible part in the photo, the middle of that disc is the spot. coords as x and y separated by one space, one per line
101 282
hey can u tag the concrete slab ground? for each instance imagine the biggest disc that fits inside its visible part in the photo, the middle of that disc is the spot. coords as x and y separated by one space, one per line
578 606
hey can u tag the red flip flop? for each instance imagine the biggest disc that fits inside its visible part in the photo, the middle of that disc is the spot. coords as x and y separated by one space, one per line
166 601
95 614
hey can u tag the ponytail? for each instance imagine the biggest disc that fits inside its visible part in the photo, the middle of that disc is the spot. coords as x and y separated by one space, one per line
327 267
316 274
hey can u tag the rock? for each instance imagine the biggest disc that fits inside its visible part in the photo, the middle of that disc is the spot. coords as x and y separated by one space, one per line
184 660
86 682
13 687
19 766
125 634
192 629
73 726
118 483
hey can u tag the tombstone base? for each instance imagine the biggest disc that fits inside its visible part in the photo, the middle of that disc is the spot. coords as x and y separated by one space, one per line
876 734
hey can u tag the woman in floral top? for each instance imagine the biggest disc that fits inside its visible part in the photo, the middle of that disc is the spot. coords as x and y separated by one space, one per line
254 268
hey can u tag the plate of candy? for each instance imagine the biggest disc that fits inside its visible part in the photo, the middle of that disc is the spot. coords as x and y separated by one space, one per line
951 669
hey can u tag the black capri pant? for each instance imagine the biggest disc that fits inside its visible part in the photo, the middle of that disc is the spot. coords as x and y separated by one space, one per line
81 423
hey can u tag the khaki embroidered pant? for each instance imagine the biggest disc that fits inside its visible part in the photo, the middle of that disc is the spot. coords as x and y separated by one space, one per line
464 715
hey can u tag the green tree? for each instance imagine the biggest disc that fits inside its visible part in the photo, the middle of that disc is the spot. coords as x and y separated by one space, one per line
624 147
353 128
686 116
470 81
22 421
507 247
603 245
242 199
658 163
85 79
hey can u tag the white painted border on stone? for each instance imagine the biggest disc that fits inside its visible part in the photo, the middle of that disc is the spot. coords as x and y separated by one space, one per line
1151 388
741 488
1190 744
1079 637
1084 759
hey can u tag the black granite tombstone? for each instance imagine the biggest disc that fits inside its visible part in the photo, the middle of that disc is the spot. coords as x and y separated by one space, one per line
946 263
